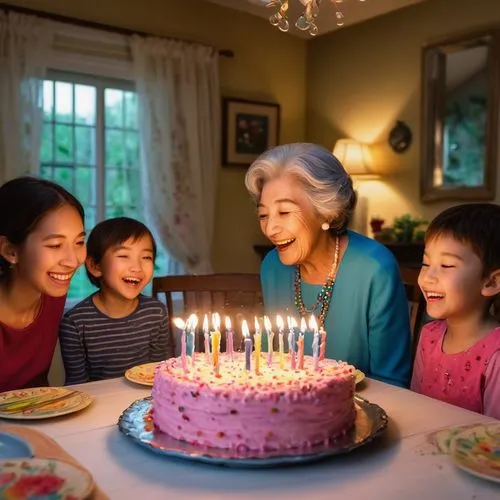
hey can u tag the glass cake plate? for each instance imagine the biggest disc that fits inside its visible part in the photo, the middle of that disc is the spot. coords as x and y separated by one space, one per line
371 421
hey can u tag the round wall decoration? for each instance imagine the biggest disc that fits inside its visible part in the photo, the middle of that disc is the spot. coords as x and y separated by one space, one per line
400 137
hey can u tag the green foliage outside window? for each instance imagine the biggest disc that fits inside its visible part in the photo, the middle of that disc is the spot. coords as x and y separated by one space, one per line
70 152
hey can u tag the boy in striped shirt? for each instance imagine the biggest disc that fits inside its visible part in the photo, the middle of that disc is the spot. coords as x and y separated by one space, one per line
116 327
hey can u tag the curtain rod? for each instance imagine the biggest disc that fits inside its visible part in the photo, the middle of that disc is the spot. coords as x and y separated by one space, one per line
93 25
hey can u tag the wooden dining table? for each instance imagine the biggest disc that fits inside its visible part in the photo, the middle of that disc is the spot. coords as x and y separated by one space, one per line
401 464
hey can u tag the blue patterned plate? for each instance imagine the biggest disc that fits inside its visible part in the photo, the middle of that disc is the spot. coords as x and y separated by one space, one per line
371 420
12 446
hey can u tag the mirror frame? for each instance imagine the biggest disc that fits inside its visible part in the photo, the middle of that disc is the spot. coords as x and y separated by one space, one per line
433 101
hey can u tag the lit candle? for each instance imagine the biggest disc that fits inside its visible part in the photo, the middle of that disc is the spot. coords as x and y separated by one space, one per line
207 339
300 343
281 325
248 343
257 345
270 338
322 349
216 342
179 323
291 341
229 337
315 345
193 323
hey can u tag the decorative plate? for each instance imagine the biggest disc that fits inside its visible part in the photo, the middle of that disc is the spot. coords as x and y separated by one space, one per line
12 446
360 376
142 374
41 402
477 450
371 420
39 478
442 438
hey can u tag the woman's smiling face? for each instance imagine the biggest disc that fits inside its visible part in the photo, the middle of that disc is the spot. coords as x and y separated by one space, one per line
53 252
289 219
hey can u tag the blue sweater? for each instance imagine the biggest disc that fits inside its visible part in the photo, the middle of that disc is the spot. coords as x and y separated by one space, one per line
368 322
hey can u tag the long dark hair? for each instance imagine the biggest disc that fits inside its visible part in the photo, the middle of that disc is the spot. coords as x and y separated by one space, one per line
24 201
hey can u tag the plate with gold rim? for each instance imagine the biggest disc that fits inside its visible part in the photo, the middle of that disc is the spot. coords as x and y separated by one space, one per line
41 402
142 374
44 478
360 376
136 424
477 451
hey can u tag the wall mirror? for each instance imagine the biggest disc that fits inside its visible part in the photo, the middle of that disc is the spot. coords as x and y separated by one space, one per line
460 102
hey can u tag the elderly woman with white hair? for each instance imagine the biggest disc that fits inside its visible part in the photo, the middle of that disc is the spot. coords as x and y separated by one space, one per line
351 283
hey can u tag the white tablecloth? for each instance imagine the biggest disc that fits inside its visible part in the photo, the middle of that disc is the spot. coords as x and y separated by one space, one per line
400 465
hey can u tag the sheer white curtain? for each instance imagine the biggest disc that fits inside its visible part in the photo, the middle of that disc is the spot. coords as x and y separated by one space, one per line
25 43
179 100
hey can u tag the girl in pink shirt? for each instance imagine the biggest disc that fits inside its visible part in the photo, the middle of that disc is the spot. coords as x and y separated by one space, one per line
42 243
458 355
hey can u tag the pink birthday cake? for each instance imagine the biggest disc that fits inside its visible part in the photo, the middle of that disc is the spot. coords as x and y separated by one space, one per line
277 409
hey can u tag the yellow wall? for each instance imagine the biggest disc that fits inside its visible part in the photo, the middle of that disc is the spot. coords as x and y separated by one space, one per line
356 81
268 65
360 79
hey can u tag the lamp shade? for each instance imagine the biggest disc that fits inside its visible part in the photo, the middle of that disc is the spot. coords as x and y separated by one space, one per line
354 156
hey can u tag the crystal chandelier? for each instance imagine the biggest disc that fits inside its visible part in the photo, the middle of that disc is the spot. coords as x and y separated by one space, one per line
307 20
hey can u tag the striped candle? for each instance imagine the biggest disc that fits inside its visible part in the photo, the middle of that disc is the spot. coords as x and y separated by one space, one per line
291 340
206 339
270 339
179 323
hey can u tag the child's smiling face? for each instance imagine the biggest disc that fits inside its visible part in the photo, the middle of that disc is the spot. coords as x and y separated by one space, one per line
126 268
452 279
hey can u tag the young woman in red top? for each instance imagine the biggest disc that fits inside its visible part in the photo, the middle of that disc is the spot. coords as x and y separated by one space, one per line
42 243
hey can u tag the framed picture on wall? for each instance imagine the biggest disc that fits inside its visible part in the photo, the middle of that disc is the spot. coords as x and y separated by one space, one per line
248 129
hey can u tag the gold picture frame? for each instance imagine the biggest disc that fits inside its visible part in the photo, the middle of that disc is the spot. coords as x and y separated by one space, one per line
248 129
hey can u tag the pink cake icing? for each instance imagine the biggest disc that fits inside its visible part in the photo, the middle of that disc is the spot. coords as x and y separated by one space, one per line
275 410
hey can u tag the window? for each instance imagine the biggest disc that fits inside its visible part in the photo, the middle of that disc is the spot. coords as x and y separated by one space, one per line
90 146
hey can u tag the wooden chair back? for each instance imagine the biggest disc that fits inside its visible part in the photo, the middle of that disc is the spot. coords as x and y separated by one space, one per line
238 296
416 302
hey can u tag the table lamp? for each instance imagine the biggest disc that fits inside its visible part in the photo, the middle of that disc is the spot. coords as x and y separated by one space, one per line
355 158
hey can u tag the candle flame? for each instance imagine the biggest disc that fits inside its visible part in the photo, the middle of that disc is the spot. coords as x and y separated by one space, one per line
205 324
303 326
216 321
179 323
193 321
267 324
291 322
256 324
228 323
279 322
313 325
244 328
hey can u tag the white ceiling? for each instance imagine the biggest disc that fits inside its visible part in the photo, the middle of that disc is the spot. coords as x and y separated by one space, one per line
354 11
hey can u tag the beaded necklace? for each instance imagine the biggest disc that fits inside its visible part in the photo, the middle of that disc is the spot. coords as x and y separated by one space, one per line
325 294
